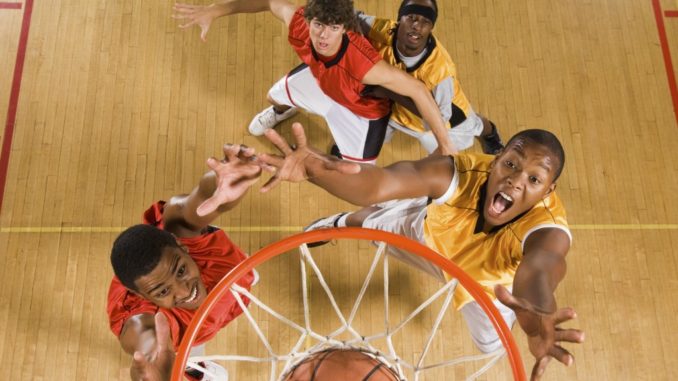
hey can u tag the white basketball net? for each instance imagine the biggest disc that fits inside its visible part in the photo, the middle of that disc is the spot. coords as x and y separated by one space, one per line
388 356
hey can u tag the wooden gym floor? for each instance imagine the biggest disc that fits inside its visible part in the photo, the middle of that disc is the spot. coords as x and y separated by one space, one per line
109 106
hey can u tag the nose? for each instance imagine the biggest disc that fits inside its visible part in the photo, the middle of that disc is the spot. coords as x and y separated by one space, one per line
183 291
517 180
323 32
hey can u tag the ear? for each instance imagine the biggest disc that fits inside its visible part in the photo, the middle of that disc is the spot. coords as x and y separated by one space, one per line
552 188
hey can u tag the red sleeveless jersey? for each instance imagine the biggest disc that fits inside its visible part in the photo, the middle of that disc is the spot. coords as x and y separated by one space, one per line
341 77
215 255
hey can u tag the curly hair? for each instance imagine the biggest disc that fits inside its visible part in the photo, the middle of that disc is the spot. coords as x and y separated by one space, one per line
331 12
137 251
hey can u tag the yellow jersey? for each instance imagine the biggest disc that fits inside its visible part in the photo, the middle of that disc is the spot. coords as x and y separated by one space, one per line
453 228
435 67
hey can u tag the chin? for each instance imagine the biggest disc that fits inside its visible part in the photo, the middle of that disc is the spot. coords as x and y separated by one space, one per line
496 221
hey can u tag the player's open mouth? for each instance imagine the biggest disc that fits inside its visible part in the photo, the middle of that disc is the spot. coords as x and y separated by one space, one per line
193 296
500 203
414 36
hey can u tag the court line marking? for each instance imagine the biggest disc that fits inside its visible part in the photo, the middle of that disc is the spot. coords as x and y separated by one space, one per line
666 52
11 5
673 13
295 229
14 97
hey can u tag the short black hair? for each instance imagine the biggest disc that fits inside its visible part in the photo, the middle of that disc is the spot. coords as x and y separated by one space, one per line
137 251
543 138
331 12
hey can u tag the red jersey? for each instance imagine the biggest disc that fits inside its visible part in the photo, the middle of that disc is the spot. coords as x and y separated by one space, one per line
215 255
341 77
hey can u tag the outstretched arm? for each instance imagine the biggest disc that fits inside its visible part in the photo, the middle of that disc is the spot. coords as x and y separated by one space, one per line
398 81
147 338
203 15
359 184
218 191
539 273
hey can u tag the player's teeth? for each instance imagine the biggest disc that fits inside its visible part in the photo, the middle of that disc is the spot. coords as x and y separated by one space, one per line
505 196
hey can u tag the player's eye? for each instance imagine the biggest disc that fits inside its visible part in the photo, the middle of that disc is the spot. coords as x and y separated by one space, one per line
163 293
535 180
335 28
510 164
181 271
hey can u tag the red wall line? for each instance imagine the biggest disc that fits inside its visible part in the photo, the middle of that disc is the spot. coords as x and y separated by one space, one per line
14 97
668 63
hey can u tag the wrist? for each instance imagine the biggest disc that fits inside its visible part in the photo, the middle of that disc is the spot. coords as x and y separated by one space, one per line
220 9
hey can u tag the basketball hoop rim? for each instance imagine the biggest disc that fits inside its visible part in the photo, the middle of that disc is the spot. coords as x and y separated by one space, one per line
295 241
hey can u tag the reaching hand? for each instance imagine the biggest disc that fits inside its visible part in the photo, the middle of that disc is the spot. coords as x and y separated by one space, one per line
295 164
201 15
157 366
544 334
446 148
235 174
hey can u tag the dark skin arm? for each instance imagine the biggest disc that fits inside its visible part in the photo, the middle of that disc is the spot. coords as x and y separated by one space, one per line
359 184
187 215
157 364
541 270
220 190
381 92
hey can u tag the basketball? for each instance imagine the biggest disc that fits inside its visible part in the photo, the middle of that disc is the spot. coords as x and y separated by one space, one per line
340 364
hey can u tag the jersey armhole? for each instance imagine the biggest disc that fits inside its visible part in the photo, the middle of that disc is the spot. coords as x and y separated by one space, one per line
454 184
545 226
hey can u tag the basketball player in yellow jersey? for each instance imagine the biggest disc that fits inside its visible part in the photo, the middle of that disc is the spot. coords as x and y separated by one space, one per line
497 217
409 44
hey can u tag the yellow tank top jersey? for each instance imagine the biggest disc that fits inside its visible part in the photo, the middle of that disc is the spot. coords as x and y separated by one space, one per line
437 67
490 258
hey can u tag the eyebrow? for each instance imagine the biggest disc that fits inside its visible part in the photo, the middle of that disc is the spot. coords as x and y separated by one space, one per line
545 164
173 269
519 150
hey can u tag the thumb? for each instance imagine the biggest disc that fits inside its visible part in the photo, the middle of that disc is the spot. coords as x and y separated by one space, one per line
162 331
208 206
203 33
139 360
506 298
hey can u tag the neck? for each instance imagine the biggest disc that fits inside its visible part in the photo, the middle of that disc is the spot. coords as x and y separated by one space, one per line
409 52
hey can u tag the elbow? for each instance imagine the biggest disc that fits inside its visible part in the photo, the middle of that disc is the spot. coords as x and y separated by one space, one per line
421 90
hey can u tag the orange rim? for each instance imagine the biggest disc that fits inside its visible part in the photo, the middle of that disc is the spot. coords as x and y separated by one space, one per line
295 241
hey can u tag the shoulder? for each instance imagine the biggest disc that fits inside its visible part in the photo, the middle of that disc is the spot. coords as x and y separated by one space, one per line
298 29
473 162
360 48
380 31
548 216
439 173
438 65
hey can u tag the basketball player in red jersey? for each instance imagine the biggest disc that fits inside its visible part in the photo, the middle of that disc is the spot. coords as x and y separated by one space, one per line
167 265
338 64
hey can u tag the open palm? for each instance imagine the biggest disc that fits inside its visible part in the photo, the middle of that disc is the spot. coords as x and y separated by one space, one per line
543 331
235 174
